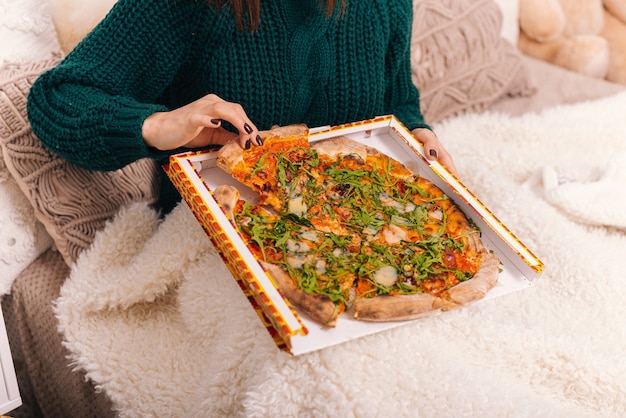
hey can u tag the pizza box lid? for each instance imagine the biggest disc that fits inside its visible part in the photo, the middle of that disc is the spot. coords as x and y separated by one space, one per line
195 174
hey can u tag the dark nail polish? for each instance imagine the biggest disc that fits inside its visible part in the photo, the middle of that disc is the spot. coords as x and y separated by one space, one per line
259 140
248 143
247 128
433 153
215 121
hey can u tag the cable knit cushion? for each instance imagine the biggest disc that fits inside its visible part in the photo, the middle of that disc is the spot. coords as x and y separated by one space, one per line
22 238
459 60
72 203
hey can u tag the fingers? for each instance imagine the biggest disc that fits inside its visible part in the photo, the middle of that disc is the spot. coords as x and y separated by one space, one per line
434 150
219 110
198 124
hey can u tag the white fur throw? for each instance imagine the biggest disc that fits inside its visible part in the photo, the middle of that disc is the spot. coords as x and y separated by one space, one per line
155 319
600 201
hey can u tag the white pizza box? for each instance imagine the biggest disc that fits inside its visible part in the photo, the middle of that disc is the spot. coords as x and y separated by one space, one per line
195 175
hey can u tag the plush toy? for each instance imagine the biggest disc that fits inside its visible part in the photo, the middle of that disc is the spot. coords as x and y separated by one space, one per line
73 19
614 31
585 36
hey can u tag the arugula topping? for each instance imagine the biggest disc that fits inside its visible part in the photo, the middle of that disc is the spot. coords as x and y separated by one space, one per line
360 198
258 165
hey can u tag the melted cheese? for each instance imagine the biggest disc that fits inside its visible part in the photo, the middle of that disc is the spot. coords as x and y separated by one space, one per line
310 236
386 276
294 246
393 234
320 266
296 262
297 206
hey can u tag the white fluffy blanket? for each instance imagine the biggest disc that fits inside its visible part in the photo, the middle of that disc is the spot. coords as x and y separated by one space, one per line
155 319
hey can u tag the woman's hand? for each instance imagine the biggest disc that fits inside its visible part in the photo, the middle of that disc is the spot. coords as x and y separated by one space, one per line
199 124
434 149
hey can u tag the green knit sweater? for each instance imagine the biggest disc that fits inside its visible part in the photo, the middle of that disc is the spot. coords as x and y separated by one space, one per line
155 55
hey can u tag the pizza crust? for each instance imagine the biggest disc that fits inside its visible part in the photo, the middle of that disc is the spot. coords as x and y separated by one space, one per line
338 146
395 308
476 288
407 307
342 146
227 196
319 307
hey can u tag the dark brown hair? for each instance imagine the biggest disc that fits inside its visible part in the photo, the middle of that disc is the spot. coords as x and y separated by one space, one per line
252 8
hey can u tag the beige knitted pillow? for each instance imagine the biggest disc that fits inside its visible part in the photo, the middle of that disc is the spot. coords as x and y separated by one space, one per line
459 60
72 203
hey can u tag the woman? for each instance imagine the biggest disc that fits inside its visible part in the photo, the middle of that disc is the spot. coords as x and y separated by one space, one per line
157 76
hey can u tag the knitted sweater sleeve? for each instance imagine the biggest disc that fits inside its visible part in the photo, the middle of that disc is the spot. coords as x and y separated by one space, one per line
91 107
402 96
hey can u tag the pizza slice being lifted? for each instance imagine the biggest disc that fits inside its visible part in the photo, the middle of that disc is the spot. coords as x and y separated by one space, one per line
341 226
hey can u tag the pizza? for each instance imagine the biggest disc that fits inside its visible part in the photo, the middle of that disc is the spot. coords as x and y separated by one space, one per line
342 227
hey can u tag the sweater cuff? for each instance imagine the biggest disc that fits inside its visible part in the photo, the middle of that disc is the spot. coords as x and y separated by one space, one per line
125 137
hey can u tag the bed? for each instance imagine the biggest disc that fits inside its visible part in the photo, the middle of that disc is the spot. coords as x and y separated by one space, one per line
98 329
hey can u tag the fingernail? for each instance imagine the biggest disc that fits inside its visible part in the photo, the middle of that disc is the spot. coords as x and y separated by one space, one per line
248 143
259 140
247 128
433 153
215 121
